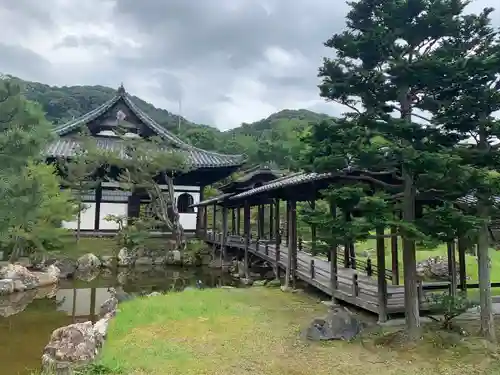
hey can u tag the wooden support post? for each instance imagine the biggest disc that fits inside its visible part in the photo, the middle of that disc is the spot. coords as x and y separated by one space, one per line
277 237
452 267
333 259
223 241
313 231
394 256
293 242
238 220
462 264
289 255
347 245
271 220
200 215
246 235
261 222
287 226
381 282
233 221
205 220
214 226
312 269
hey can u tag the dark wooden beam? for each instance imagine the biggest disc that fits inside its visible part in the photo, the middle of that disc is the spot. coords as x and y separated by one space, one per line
246 234
98 198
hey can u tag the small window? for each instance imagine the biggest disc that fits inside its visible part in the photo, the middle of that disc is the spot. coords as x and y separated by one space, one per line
184 202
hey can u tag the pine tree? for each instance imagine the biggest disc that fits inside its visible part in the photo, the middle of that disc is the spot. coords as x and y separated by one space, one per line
31 203
464 101
382 71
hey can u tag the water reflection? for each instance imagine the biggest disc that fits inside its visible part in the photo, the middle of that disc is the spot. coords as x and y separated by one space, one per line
27 319
81 303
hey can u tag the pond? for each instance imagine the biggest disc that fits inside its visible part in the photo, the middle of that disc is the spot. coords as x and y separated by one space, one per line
28 319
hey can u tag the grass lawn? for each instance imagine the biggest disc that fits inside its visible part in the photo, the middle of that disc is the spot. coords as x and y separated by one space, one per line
99 246
257 331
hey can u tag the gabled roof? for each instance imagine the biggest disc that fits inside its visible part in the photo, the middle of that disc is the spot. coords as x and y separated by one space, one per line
247 175
198 157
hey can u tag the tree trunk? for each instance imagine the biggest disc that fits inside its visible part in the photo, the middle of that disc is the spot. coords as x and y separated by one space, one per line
166 210
412 310
484 268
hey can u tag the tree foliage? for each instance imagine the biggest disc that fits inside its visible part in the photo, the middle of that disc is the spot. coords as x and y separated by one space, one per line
32 206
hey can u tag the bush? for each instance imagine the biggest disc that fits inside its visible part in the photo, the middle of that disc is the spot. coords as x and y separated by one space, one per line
449 307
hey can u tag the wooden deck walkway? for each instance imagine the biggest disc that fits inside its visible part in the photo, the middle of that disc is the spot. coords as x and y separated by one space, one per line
353 286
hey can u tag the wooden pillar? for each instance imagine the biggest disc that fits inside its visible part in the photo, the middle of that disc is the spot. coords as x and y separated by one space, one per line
214 226
233 221
238 220
452 267
394 255
200 210
223 250
246 234
98 198
287 226
333 260
462 264
293 241
381 281
347 245
278 239
260 221
205 220
271 220
313 231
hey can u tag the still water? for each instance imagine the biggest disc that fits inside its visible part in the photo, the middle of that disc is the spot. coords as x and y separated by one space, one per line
28 319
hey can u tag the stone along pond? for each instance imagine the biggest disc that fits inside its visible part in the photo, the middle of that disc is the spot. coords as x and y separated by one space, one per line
28 318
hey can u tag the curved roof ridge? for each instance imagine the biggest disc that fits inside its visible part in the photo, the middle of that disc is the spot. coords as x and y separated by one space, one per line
121 93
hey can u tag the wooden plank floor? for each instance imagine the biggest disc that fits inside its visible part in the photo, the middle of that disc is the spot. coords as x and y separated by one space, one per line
315 271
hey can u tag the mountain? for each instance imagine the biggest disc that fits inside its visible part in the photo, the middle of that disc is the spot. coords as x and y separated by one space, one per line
275 138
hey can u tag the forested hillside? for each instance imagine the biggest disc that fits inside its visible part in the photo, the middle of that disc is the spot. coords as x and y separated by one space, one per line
273 139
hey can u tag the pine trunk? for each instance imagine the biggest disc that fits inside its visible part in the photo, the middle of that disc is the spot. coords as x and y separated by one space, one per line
483 256
484 268
412 308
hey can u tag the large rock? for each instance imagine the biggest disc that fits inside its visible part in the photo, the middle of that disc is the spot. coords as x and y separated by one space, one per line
69 348
87 274
109 307
6 287
15 303
434 268
66 266
126 257
339 324
174 258
23 279
88 262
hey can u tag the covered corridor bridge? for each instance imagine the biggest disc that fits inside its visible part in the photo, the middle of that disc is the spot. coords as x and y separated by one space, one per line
339 274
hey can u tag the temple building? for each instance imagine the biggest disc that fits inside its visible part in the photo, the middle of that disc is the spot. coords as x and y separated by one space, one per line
205 167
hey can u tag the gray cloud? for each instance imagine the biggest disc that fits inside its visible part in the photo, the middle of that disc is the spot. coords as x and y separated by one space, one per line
230 61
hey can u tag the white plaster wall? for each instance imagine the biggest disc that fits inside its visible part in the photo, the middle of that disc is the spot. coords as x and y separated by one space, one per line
188 221
87 218
117 209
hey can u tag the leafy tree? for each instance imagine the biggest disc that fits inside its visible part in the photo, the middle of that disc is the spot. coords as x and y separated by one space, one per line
385 64
144 165
465 100
31 204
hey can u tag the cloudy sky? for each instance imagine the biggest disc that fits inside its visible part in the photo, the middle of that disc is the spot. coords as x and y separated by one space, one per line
230 61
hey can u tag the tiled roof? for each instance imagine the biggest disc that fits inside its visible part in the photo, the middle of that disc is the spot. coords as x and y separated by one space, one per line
198 157
66 147
213 200
286 181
